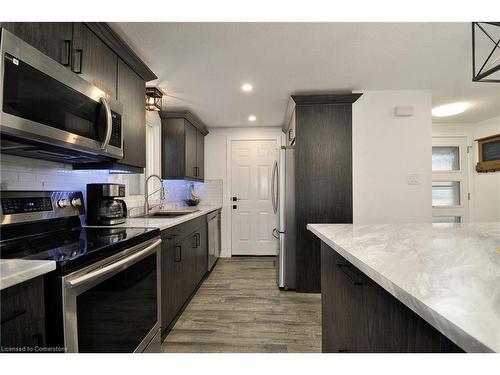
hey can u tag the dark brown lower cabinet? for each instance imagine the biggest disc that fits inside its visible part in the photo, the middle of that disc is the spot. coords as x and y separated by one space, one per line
23 317
184 265
360 316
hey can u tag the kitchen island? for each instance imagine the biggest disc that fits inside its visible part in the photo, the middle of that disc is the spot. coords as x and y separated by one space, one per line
423 284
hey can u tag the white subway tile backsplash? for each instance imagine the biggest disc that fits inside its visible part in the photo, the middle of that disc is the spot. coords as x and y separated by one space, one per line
19 173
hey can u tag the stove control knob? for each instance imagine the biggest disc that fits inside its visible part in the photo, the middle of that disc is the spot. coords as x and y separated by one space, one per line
62 203
76 202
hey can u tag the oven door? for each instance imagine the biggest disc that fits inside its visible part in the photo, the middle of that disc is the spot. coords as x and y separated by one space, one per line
45 103
113 306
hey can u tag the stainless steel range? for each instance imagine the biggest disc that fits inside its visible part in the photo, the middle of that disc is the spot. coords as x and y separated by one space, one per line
105 293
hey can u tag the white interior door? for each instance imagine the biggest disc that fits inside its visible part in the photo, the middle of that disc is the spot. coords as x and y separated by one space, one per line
252 216
450 180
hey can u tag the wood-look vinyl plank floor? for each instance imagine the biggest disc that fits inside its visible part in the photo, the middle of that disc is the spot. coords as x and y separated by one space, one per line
240 309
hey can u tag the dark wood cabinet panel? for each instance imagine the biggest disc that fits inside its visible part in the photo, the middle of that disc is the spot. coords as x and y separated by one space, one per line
360 316
95 61
130 92
200 155
190 152
22 315
184 265
173 161
323 180
52 38
183 147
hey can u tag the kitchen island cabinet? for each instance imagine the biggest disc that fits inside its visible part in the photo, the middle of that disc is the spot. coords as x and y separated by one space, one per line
410 287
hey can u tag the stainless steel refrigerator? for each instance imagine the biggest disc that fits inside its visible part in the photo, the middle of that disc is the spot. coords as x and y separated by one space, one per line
283 199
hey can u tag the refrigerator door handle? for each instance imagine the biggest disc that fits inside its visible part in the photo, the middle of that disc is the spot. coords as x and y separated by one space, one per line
274 192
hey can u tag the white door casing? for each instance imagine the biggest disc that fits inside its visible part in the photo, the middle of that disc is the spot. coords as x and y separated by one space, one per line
253 219
460 175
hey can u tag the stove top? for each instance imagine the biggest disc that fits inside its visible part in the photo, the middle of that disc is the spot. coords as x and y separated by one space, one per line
76 247
46 225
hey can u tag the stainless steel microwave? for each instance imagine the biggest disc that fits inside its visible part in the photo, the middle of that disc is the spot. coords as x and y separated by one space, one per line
48 111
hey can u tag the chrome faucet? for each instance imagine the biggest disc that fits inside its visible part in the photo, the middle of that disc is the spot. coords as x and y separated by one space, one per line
146 195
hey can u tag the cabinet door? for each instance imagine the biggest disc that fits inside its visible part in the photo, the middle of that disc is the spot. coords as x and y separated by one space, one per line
188 266
344 323
172 283
130 92
190 151
200 155
23 312
94 60
172 148
202 253
51 38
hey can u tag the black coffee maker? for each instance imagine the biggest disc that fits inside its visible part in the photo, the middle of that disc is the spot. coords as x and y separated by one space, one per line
102 206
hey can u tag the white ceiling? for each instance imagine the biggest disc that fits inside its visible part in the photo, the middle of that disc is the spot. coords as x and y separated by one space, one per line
201 66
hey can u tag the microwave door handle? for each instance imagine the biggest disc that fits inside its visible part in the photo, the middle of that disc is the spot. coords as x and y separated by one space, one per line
121 264
109 124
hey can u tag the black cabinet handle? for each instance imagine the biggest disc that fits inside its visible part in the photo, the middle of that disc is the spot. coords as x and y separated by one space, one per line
67 44
341 268
235 207
178 253
171 237
235 199
80 61
12 316
196 238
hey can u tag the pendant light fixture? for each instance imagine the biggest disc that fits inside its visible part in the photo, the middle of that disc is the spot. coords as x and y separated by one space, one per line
487 43
153 99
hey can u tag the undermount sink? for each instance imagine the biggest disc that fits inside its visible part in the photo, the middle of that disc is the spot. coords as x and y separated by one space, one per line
172 213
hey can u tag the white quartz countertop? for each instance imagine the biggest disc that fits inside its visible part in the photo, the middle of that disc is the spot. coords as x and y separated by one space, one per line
167 222
449 274
15 271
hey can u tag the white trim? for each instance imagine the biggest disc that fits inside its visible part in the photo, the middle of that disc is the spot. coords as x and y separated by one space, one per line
470 185
227 197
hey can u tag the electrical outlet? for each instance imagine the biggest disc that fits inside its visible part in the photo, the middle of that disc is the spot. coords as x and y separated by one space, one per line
413 179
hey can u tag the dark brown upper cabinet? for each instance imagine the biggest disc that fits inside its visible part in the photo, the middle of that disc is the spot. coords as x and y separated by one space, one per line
93 60
52 38
130 89
183 146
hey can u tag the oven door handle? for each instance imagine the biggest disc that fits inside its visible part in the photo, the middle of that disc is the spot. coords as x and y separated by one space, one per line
121 264
109 124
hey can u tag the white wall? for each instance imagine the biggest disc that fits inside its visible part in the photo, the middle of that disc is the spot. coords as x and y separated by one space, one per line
385 150
216 165
485 187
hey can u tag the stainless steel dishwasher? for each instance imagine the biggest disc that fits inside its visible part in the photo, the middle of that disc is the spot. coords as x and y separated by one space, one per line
214 240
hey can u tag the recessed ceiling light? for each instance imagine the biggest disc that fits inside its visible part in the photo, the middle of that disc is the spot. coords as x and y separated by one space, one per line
252 118
246 87
450 109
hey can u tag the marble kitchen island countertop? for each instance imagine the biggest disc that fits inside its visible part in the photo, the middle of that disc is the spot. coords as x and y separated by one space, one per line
166 222
15 271
449 274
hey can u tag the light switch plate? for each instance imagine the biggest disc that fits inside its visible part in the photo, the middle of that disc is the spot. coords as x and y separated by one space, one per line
413 179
